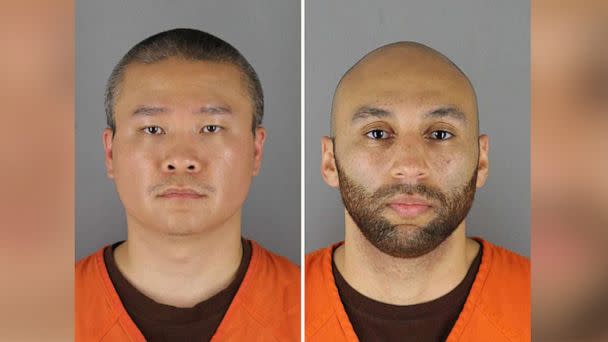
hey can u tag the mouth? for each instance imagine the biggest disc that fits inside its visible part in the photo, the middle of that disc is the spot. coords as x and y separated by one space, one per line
409 206
181 193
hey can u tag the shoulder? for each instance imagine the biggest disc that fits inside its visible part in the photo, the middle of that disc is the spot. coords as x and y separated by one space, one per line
86 267
94 315
316 257
319 282
88 274
275 273
275 264
507 268
505 298
270 292
319 297
317 265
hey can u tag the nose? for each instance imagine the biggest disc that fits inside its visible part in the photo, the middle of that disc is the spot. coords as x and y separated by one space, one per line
181 161
409 162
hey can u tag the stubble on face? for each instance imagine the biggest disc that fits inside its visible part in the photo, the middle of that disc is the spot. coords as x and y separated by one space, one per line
366 209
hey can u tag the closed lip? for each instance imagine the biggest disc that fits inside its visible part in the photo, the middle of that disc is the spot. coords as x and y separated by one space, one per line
181 192
408 200
408 206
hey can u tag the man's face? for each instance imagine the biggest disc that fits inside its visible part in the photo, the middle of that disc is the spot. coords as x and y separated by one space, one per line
569 169
405 155
183 154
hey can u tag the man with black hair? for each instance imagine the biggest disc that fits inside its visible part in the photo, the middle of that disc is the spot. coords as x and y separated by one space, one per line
184 139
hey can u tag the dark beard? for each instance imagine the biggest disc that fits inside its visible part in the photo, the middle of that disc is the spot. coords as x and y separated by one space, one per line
366 211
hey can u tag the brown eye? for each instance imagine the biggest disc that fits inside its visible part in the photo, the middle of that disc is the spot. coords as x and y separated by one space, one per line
211 129
153 130
441 135
377 134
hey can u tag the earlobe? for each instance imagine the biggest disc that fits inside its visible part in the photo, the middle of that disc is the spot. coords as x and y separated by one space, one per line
107 138
328 162
258 153
483 165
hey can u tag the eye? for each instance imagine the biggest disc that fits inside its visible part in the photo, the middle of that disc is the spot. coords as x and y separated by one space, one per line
441 135
377 134
153 130
211 129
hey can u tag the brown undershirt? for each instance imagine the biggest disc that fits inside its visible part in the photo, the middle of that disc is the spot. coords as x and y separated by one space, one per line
159 322
430 321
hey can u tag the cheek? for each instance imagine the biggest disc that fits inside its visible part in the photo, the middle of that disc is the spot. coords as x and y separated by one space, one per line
135 157
451 167
134 167
365 168
232 167
444 163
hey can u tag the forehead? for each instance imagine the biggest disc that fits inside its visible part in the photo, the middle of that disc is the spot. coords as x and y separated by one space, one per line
407 85
181 83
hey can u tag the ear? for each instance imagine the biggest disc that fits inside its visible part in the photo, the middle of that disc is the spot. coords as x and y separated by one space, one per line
107 137
328 163
484 163
258 153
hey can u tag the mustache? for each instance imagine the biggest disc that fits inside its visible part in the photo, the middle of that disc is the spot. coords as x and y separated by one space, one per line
422 190
182 182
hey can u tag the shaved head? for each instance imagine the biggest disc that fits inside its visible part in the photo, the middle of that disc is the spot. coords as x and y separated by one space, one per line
404 123
402 61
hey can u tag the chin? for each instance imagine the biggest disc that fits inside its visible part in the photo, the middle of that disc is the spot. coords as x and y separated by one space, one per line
411 224
183 231
185 227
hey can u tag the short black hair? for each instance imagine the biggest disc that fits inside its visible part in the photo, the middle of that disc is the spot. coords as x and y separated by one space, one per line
189 44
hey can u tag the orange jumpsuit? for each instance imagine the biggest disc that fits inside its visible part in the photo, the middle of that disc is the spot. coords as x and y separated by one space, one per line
497 308
265 308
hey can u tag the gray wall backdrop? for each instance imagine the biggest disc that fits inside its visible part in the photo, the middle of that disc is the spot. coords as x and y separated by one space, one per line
267 32
488 39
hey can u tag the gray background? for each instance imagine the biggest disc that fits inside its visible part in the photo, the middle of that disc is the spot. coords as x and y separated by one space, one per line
267 32
488 39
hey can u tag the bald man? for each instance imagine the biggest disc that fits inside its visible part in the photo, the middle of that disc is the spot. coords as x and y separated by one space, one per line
406 154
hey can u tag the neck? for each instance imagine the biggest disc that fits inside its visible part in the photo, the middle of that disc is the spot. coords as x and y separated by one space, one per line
180 271
404 281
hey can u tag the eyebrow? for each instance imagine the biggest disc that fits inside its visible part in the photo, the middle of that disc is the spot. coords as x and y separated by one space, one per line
147 110
449 112
443 112
214 110
368 111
